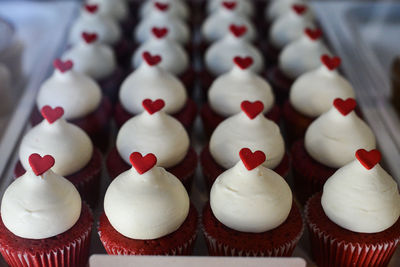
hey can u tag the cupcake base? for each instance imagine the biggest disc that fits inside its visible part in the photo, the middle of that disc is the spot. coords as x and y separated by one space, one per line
180 242
332 245
70 248
280 84
278 242
211 169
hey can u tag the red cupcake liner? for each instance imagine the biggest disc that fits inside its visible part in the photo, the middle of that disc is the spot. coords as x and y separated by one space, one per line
278 242
180 242
184 171
186 115
211 169
87 180
211 119
280 84
69 249
332 245
309 176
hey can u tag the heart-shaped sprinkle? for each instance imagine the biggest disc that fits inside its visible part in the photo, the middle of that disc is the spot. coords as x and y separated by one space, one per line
238 30
252 109
89 37
142 164
52 114
251 160
345 106
63 66
40 164
368 158
331 63
229 4
243 62
159 32
150 59
161 6
299 9
91 8
153 106
313 34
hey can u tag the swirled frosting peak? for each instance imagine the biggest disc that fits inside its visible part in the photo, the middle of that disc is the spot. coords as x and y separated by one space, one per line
361 196
116 9
176 8
242 7
277 8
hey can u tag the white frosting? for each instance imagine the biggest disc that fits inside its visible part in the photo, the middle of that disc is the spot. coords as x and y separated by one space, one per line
243 85
107 29
152 82
216 26
301 56
39 207
159 134
313 92
361 200
277 8
75 92
70 146
250 201
147 206
176 8
333 139
117 9
219 56
240 131
177 29
243 7
96 60
289 27
174 58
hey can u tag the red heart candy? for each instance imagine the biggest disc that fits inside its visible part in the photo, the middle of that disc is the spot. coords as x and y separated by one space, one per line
150 59
229 5
345 106
313 34
299 9
251 160
159 32
243 62
63 66
52 114
40 164
89 37
238 30
368 158
331 63
91 8
142 164
252 109
153 106
161 6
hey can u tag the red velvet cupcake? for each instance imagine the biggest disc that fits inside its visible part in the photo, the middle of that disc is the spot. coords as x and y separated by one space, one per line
355 220
147 211
330 143
248 128
251 212
56 230
154 130
76 158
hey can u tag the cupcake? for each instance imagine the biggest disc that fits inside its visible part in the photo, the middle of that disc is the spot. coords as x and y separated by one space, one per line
249 128
251 212
80 97
330 143
296 58
117 10
312 94
242 7
154 130
147 211
176 8
76 158
277 8
43 220
355 220
229 90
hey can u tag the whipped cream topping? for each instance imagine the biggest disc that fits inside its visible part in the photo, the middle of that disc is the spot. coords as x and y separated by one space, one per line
146 206
39 207
75 92
95 59
250 201
219 56
361 200
159 133
176 8
243 85
277 8
313 92
174 58
152 82
70 146
240 131
243 7
333 139
301 56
